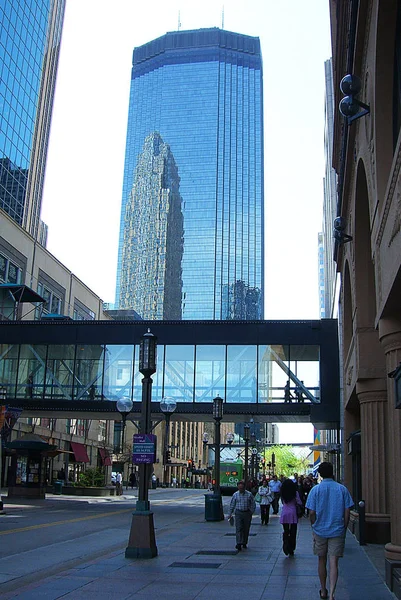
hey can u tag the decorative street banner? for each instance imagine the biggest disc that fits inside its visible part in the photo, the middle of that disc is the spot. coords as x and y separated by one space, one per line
8 418
144 448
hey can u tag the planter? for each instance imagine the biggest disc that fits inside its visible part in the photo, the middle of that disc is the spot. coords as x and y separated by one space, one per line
68 490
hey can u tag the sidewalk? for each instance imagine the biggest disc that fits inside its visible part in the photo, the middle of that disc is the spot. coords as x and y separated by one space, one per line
198 560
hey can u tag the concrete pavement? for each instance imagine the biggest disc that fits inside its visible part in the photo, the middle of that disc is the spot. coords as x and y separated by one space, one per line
197 560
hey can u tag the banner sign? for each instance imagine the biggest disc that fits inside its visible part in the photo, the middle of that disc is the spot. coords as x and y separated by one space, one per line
9 417
144 448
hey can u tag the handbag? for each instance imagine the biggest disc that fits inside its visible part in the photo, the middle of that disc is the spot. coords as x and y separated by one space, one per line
258 498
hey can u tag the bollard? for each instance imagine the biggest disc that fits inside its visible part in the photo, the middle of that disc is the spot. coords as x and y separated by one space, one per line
362 523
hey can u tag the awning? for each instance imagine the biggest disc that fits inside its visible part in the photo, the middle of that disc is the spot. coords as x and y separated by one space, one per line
21 293
104 455
80 452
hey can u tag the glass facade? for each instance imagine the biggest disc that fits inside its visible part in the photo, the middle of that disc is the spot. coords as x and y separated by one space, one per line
30 35
193 373
199 93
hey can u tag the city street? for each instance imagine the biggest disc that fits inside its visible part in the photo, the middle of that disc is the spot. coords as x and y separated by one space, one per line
68 548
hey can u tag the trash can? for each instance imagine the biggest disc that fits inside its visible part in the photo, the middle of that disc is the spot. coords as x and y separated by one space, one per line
58 487
213 507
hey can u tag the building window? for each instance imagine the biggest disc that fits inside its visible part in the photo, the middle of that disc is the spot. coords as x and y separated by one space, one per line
9 272
52 302
82 313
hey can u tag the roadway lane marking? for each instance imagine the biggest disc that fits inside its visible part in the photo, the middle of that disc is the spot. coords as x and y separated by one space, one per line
43 525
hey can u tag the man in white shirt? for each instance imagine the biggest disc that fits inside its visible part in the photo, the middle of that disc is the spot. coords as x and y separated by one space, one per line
119 486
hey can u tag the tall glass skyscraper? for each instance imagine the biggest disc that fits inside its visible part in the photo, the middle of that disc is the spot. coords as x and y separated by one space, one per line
200 93
30 35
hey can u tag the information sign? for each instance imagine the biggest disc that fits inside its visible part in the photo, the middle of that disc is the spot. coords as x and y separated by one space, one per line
144 448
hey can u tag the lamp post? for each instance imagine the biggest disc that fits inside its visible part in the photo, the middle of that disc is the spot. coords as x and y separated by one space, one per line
246 440
167 406
3 396
217 416
142 542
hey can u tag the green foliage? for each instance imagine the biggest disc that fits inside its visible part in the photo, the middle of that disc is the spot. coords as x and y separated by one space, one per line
287 462
91 478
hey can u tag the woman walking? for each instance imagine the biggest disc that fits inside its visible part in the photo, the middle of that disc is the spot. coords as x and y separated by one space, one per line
289 518
266 498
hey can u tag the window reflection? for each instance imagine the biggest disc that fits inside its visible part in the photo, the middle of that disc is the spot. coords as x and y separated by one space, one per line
210 373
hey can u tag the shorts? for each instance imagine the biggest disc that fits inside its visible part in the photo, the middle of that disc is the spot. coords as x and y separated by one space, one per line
328 546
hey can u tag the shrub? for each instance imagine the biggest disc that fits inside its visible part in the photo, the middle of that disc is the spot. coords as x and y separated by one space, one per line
92 477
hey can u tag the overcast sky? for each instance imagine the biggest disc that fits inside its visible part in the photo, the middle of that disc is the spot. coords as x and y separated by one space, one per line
82 197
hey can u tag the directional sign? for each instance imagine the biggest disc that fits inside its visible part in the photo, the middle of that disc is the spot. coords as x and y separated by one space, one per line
144 448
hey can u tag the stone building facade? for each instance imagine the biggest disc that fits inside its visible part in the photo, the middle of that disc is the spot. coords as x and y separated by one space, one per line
366 39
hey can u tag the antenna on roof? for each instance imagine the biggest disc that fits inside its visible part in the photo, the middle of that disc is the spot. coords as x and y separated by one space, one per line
222 17
179 21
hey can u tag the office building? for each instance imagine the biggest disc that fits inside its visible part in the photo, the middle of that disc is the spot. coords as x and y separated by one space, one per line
198 96
367 157
30 35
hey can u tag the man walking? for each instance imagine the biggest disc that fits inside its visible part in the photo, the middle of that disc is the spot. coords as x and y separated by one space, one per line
275 487
243 506
329 506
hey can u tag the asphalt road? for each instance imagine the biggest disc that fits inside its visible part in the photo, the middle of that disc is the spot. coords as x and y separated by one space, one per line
38 538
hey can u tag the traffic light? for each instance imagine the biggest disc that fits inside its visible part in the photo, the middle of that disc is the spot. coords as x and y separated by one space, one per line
168 456
190 462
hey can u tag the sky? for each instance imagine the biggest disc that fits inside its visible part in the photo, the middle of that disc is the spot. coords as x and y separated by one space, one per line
83 186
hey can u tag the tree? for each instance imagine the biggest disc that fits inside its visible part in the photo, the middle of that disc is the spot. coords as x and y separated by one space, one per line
286 461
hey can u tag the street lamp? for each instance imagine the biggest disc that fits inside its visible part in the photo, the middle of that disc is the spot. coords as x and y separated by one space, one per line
217 416
142 542
229 438
246 440
167 406
124 407
3 397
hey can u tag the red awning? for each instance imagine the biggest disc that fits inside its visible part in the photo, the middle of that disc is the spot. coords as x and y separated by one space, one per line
104 455
80 452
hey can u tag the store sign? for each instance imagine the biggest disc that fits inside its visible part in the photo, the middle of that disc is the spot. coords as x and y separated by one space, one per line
144 448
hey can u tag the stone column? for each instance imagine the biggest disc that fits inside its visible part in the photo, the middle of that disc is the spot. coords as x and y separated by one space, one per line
372 396
390 338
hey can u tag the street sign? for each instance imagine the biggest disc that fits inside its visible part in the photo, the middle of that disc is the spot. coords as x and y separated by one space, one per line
144 448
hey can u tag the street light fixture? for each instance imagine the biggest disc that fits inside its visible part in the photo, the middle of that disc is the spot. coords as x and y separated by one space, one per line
229 438
124 406
142 542
246 440
167 406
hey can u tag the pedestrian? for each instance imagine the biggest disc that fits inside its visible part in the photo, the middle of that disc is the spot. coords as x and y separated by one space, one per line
289 517
287 392
132 480
329 505
266 498
174 482
243 506
275 487
119 484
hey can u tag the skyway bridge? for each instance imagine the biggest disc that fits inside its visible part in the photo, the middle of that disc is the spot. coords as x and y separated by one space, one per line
272 371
